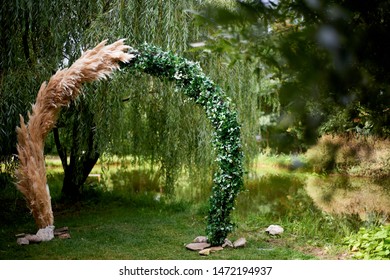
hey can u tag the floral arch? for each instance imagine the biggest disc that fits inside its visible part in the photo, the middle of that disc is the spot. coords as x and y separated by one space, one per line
99 63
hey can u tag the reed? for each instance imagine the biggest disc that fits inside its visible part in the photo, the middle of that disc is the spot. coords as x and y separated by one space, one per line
62 88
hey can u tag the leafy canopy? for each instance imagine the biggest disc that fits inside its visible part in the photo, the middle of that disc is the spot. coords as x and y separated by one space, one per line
329 57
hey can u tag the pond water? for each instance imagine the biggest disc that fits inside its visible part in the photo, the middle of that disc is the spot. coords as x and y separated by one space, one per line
274 194
289 193
279 192
340 194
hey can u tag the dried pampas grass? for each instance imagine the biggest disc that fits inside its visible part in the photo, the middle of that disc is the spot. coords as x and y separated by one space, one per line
62 88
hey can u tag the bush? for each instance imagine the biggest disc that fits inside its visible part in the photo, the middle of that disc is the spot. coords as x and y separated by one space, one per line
373 243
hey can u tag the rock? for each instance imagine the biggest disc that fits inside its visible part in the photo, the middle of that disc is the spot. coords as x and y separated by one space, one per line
205 252
200 239
239 243
46 234
22 241
274 230
32 238
64 236
60 231
227 243
216 248
197 246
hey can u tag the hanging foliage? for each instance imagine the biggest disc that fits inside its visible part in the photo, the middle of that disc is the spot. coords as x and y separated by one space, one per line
189 78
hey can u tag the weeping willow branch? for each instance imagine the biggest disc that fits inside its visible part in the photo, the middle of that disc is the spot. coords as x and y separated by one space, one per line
62 88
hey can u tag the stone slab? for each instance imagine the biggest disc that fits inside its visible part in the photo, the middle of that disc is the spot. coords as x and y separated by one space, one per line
197 246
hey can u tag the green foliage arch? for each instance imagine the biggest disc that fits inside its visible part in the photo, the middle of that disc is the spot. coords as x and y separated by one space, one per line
190 79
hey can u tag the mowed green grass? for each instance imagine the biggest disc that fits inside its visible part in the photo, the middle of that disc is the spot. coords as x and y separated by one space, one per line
116 230
122 225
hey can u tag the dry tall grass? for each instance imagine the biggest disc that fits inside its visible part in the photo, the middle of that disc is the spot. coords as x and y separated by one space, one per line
62 88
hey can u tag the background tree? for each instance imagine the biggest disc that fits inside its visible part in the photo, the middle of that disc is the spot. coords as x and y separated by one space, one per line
329 57
137 116
37 39
156 125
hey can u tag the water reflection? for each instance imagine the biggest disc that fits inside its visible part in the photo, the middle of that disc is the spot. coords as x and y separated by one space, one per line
279 192
352 196
290 194
274 194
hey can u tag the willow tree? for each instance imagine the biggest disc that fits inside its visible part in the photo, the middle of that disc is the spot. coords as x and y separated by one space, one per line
35 43
146 106
156 124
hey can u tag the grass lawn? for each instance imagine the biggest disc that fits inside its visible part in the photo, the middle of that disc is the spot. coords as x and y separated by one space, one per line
119 230
106 225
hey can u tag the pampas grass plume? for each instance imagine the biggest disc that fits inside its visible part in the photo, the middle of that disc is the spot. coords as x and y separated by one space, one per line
62 88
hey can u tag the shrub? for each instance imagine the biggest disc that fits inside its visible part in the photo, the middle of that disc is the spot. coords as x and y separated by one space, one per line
373 243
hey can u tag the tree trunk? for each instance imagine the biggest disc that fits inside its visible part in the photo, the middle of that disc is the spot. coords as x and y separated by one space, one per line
82 157
75 175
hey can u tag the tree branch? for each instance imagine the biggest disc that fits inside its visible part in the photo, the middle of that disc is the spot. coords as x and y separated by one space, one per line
26 48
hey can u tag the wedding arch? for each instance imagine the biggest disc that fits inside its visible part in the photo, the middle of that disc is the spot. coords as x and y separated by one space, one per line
99 63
